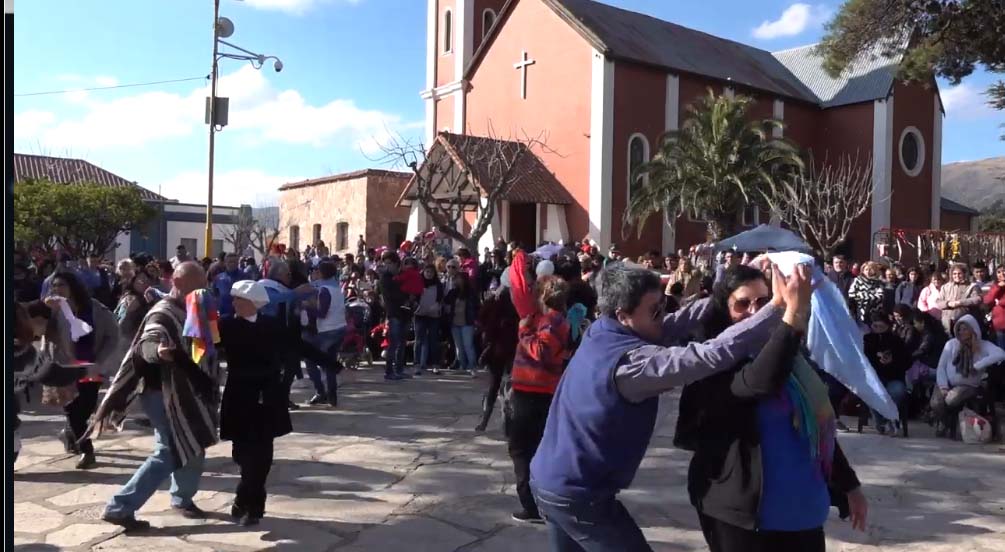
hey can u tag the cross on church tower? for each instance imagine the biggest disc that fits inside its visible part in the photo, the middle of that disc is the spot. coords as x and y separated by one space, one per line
522 66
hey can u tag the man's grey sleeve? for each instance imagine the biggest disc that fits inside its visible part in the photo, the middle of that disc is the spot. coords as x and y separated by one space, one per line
650 370
678 326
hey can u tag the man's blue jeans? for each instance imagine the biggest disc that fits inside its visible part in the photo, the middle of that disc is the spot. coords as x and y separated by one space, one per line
329 343
159 466
598 525
396 346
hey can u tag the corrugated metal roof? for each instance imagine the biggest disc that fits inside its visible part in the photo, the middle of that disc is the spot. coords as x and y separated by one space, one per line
950 205
536 183
72 171
637 37
870 78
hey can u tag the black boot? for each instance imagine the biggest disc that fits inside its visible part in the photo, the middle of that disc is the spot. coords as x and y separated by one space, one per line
486 415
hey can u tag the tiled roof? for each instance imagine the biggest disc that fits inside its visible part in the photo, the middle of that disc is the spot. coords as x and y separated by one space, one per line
953 207
536 183
72 171
623 34
344 176
868 79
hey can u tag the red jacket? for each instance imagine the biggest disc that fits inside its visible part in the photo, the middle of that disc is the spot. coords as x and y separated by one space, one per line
541 353
995 299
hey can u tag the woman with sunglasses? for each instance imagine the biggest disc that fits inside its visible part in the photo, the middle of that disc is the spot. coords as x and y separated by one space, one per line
607 403
766 465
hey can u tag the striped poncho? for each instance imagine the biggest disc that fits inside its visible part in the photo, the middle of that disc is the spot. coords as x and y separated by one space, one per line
191 391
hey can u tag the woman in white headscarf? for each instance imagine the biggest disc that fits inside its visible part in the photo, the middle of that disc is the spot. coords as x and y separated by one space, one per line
962 366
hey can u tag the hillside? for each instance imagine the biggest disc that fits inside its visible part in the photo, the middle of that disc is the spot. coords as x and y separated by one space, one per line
974 183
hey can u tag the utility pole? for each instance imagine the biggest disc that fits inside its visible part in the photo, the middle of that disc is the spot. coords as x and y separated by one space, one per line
208 248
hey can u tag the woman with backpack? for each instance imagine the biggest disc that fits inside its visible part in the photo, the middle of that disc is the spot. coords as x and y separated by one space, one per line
427 321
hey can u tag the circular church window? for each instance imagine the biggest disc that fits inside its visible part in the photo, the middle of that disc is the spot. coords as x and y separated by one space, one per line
912 151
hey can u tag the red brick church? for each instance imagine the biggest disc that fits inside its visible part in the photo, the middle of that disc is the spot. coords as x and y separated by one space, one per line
605 83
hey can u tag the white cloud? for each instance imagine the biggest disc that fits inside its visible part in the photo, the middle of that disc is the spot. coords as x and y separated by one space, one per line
964 102
102 80
296 7
230 188
258 114
793 21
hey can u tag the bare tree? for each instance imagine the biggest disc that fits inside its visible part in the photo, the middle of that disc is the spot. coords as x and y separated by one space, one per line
821 204
238 235
461 173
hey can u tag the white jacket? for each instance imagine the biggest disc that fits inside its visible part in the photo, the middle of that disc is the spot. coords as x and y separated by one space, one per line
988 355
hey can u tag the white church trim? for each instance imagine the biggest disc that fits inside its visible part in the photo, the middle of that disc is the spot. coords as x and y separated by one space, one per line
671 122
601 148
882 166
937 165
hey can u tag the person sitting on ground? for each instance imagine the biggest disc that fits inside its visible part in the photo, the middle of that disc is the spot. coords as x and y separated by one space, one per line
925 355
891 360
961 370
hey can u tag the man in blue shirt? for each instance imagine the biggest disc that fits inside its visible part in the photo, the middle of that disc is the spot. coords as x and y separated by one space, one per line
225 281
284 305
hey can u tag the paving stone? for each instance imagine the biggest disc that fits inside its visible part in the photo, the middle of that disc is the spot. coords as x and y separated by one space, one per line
31 518
415 534
86 494
148 543
80 533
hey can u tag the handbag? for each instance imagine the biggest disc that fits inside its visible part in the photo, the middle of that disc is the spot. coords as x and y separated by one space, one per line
974 428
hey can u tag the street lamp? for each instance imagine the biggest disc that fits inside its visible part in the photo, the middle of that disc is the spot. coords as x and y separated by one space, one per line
216 110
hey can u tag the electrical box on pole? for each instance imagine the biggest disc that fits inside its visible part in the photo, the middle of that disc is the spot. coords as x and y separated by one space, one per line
220 111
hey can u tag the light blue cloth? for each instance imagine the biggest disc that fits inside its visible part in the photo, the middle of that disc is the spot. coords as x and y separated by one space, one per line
834 339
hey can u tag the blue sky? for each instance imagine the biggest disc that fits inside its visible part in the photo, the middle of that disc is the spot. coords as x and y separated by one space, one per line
352 73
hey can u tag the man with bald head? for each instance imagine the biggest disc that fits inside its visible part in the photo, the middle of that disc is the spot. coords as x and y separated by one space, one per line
180 397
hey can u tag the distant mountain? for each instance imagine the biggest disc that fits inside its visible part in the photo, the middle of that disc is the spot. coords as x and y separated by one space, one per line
975 184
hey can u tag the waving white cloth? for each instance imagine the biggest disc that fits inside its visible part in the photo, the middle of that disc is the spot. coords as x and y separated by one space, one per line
835 341
78 328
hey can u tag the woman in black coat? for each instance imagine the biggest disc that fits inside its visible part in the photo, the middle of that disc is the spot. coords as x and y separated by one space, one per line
254 410
758 482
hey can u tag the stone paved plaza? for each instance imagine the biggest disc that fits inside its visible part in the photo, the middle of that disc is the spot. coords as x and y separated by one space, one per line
399 467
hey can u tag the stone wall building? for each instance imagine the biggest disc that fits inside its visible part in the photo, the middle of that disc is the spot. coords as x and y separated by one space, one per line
338 209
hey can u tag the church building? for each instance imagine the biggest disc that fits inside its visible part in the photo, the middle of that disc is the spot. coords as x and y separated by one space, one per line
602 84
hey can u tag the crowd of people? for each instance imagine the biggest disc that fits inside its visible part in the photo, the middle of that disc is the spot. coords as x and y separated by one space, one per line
579 344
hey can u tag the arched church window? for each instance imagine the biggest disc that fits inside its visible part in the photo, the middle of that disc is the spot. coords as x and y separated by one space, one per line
638 154
448 32
912 151
488 20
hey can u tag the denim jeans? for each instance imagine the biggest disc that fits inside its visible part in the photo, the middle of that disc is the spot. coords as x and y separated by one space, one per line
427 342
464 342
396 346
328 343
898 392
159 466
598 525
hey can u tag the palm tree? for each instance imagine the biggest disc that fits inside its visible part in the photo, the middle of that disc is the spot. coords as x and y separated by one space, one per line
712 168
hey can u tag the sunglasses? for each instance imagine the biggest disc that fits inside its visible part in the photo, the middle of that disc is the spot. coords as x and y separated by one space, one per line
745 303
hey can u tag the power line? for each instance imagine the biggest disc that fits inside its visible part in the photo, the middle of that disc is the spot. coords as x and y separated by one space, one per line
51 92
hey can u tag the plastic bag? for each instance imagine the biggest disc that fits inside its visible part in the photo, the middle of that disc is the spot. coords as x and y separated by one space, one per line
974 428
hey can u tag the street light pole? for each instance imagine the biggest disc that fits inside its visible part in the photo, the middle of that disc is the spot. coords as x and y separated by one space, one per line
212 129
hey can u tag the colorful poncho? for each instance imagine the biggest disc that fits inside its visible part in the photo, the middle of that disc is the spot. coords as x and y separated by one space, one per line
201 317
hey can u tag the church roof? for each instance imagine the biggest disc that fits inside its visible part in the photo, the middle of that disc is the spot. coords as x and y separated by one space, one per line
640 38
475 154
63 170
870 78
949 205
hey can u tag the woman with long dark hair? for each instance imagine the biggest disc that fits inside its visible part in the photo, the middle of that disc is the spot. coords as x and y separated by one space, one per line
460 309
498 323
97 348
766 465
427 322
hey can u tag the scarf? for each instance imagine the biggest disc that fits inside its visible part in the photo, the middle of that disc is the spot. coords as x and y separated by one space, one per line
813 416
201 319
191 391
964 360
575 317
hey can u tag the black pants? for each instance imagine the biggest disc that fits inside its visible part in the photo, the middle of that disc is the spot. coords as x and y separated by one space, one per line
255 461
489 400
79 411
723 537
524 432
291 372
